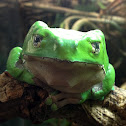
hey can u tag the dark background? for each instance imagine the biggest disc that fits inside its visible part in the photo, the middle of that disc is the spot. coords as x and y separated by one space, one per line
16 19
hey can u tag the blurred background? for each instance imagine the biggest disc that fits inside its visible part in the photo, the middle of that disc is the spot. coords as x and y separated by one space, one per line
16 17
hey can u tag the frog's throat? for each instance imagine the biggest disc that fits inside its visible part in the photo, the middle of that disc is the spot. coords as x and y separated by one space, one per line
66 76
64 64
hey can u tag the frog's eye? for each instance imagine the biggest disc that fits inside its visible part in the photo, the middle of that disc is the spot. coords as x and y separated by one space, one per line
95 47
37 40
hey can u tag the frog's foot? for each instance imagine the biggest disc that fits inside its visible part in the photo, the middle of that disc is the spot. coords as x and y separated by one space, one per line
63 99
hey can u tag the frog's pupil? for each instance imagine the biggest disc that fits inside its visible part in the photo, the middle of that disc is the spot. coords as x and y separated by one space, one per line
96 48
37 39
97 45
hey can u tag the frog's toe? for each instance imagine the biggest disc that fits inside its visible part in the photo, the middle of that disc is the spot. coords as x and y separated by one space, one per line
54 107
48 101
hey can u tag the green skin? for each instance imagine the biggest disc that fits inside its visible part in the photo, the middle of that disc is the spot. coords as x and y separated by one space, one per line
63 48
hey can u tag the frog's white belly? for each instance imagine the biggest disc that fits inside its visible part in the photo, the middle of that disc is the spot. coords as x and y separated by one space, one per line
70 77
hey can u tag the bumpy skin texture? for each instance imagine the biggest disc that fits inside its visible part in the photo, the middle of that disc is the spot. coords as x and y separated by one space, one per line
64 45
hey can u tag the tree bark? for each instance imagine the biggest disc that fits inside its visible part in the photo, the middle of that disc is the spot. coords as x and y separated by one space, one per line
27 101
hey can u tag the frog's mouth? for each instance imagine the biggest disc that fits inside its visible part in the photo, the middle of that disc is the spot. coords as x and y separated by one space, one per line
64 75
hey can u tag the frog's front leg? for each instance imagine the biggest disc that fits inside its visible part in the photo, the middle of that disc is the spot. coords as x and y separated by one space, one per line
15 66
103 88
13 58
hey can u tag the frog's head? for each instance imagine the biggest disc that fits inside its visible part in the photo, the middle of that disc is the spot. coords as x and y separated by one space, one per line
59 54
68 45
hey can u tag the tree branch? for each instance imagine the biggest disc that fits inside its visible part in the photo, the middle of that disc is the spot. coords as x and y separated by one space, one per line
27 101
57 9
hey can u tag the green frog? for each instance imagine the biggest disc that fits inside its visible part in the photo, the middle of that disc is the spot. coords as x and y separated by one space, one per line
72 62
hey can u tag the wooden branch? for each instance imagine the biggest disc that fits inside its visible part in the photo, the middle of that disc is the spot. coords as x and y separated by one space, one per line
58 9
110 112
19 99
27 101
